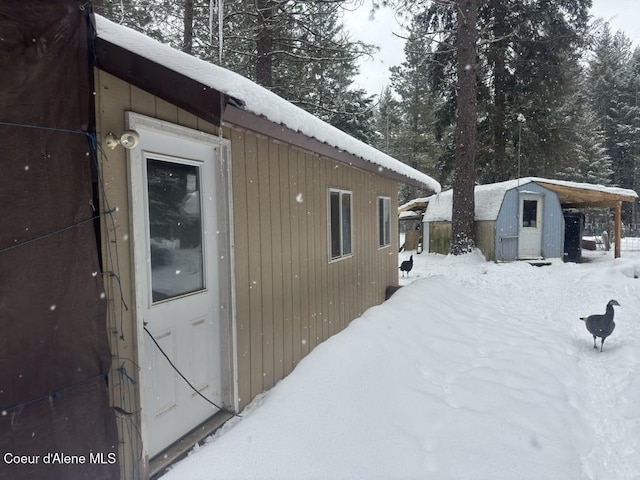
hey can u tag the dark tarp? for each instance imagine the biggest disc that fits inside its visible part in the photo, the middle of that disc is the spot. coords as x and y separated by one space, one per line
54 353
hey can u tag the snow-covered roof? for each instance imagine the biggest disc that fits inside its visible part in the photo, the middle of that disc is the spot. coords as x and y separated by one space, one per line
256 99
414 204
488 198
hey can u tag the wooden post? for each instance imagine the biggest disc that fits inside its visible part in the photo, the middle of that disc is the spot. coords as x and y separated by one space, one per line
617 229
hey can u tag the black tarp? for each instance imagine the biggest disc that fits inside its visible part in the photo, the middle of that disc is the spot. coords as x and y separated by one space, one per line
54 353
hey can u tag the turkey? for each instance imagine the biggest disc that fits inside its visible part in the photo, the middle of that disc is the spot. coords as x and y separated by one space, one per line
407 265
601 325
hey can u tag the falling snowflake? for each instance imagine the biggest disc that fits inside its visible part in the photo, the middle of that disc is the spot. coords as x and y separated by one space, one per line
299 198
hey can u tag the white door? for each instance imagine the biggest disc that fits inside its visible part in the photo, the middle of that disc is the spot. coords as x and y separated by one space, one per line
176 250
530 229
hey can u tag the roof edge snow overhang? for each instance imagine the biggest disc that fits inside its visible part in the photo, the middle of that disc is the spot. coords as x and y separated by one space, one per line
263 126
576 197
190 95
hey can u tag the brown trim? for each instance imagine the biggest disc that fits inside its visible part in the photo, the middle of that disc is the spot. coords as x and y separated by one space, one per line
186 93
249 121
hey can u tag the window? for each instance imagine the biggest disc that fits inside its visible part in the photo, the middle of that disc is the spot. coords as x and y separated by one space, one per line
175 229
340 223
530 213
384 223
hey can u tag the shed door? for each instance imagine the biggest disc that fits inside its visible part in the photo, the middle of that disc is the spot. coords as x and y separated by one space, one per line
176 258
530 228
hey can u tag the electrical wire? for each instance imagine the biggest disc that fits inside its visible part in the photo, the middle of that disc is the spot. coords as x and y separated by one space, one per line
185 378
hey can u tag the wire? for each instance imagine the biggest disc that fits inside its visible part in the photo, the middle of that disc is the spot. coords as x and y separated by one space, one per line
54 232
40 127
53 395
185 378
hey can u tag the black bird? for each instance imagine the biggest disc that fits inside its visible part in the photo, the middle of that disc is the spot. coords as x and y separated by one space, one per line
407 265
601 325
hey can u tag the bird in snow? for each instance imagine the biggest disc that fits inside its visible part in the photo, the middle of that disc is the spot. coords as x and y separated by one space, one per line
601 325
407 265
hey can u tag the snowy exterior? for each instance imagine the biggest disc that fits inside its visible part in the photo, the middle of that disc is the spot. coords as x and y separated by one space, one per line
503 231
486 381
238 311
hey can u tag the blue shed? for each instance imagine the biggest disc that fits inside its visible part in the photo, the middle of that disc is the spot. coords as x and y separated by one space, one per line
519 219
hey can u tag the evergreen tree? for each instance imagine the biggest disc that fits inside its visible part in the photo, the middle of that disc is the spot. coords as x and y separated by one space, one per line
526 51
298 49
387 121
613 90
416 144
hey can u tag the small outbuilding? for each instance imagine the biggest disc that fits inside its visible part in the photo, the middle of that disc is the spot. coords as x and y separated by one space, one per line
520 219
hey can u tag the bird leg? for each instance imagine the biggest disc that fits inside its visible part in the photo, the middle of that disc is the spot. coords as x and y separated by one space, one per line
594 342
601 344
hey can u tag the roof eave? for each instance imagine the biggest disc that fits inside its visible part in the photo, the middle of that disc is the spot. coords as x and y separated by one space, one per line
250 121
192 96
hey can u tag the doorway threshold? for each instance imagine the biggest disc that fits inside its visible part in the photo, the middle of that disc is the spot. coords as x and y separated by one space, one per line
179 450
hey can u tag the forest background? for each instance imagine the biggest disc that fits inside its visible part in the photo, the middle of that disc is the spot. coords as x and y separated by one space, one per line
557 89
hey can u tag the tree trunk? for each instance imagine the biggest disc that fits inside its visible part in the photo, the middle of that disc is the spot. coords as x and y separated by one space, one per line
500 75
187 44
264 44
465 136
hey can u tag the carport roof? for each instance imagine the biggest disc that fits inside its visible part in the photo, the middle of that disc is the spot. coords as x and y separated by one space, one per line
582 195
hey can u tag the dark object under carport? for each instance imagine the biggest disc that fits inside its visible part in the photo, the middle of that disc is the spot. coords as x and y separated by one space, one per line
573 230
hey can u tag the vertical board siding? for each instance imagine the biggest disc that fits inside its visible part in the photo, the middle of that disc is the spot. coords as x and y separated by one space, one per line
241 244
294 295
114 98
289 295
121 326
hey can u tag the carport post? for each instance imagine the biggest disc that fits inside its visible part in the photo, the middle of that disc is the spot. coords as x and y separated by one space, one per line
618 229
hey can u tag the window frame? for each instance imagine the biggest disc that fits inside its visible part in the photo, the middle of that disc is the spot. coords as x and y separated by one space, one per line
339 222
384 220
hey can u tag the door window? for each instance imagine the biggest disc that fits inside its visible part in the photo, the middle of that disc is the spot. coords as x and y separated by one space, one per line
530 213
175 229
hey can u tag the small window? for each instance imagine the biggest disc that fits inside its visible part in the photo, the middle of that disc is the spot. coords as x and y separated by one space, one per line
530 213
384 222
340 225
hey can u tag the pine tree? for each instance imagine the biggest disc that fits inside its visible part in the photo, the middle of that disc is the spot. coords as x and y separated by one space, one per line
613 93
298 49
416 144
525 50
463 210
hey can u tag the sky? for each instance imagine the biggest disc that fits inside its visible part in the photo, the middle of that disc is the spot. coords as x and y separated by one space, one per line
384 28
473 370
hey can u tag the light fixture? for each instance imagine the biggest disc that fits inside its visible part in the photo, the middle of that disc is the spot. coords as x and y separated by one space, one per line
129 139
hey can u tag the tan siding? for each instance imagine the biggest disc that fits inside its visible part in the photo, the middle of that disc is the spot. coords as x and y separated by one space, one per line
255 274
241 247
277 274
486 238
289 295
263 207
118 270
144 102
287 255
305 277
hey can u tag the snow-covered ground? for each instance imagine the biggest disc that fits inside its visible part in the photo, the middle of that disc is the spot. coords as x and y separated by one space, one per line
473 370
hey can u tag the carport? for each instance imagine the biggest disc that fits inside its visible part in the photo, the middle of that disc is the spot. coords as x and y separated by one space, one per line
584 195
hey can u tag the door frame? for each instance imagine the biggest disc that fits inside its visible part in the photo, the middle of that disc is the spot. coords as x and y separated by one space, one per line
222 178
539 198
